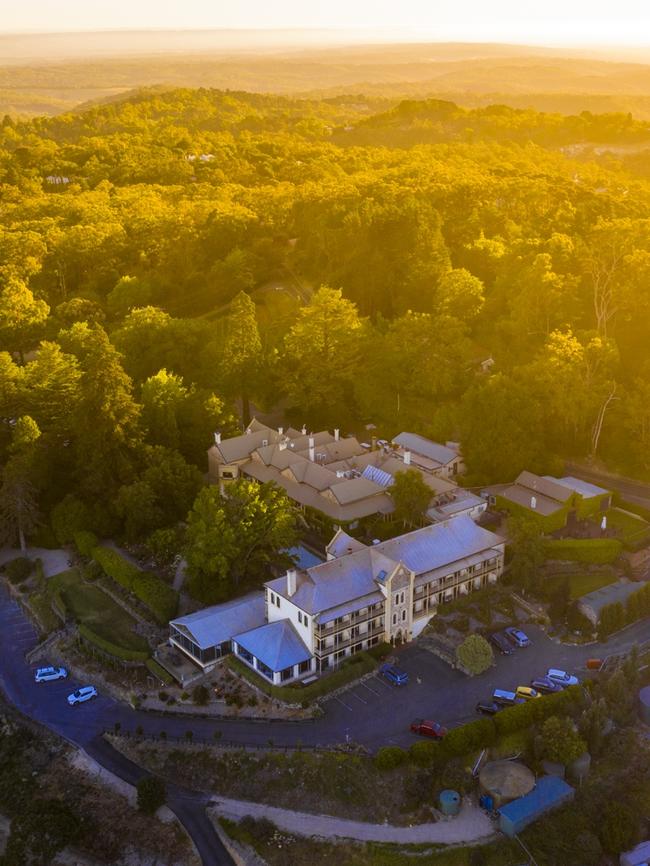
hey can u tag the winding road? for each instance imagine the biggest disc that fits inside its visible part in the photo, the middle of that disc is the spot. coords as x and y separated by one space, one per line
371 713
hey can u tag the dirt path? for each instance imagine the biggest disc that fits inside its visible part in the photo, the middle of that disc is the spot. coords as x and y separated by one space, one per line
471 825
54 561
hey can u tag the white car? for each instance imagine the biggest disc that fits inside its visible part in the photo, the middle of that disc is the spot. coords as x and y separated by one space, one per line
562 678
44 675
85 693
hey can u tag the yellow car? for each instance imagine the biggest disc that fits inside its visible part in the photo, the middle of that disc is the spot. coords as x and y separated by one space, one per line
527 693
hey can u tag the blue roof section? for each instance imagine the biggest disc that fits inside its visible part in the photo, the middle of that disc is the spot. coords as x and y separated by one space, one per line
549 791
433 450
214 625
372 473
276 644
304 558
584 488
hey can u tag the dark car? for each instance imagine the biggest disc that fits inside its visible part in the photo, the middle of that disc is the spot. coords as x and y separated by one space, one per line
502 643
487 708
545 685
394 675
427 728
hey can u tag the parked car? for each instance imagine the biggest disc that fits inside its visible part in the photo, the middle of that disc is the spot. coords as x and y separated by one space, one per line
45 675
487 708
545 685
527 693
505 698
517 636
501 642
562 678
427 728
83 694
394 676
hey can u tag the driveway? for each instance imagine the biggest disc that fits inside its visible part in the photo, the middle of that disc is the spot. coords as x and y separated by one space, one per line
54 561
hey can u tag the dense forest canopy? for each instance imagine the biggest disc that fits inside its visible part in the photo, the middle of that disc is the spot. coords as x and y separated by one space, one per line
466 273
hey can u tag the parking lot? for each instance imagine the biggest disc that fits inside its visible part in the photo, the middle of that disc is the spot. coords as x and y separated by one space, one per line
374 711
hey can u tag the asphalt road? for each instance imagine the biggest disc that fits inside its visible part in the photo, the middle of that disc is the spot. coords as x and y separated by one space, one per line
372 713
634 491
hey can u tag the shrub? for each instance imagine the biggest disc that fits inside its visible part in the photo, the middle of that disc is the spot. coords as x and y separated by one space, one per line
200 695
475 654
470 737
158 596
85 542
259 830
424 754
380 650
151 794
560 740
389 757
18 569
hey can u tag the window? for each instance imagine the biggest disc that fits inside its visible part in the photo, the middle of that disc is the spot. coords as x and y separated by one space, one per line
286 674
402 598
397 598
403 615
300 617
303 667
306 620
272 599
277 601
394 619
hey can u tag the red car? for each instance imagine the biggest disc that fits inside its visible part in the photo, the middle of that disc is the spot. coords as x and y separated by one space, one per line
428 729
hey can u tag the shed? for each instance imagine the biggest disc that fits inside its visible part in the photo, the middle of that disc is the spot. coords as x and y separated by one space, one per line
591 605
504 781
549 793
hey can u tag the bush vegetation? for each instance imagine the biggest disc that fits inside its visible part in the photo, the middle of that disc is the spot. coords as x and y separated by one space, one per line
157 595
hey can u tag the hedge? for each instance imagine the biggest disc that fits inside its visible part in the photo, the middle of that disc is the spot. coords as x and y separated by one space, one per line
111 648
157 595
615 616
390 757
353 668
85 542
470 737
639 510
523 715
159 672
589 550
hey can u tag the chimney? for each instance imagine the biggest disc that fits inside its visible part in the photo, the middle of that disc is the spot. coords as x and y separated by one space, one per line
533 502
281 431
304 430
407 458
337 434
217 438
291 582
312 446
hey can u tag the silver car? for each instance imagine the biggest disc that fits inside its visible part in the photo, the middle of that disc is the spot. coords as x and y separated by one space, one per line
45 675
84 693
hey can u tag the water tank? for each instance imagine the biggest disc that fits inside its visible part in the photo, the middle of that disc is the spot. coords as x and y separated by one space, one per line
644 701
578 770
449 802
505 781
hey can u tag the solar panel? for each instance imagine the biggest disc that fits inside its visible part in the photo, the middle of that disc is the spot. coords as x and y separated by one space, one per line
372 473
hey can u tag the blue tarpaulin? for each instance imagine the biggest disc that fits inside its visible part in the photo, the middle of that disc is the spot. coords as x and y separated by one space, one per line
548 793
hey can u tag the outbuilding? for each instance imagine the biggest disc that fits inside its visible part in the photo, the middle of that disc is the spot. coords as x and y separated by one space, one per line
549 793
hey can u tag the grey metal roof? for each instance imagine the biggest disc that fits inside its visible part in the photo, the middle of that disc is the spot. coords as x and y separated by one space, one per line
615 592
584 488
547 487
433 450
463 502
214 625
524 496
355 575
277 644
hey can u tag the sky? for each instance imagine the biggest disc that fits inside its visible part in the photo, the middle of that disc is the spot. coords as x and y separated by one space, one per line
540 22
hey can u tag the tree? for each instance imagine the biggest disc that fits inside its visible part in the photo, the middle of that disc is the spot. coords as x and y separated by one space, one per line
411 496
527 547
128 292
242 350
561 742
152 794
232 538
619 828
321 352
460 294
52 381
69 516
19 515
593 724
162 397
22 317
40 831
560 598
475 654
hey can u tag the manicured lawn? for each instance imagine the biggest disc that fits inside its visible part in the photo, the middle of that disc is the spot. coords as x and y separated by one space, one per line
581 584
630 527
90 605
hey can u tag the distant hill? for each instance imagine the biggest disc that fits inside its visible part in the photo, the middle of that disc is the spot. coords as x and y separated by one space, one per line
470 75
